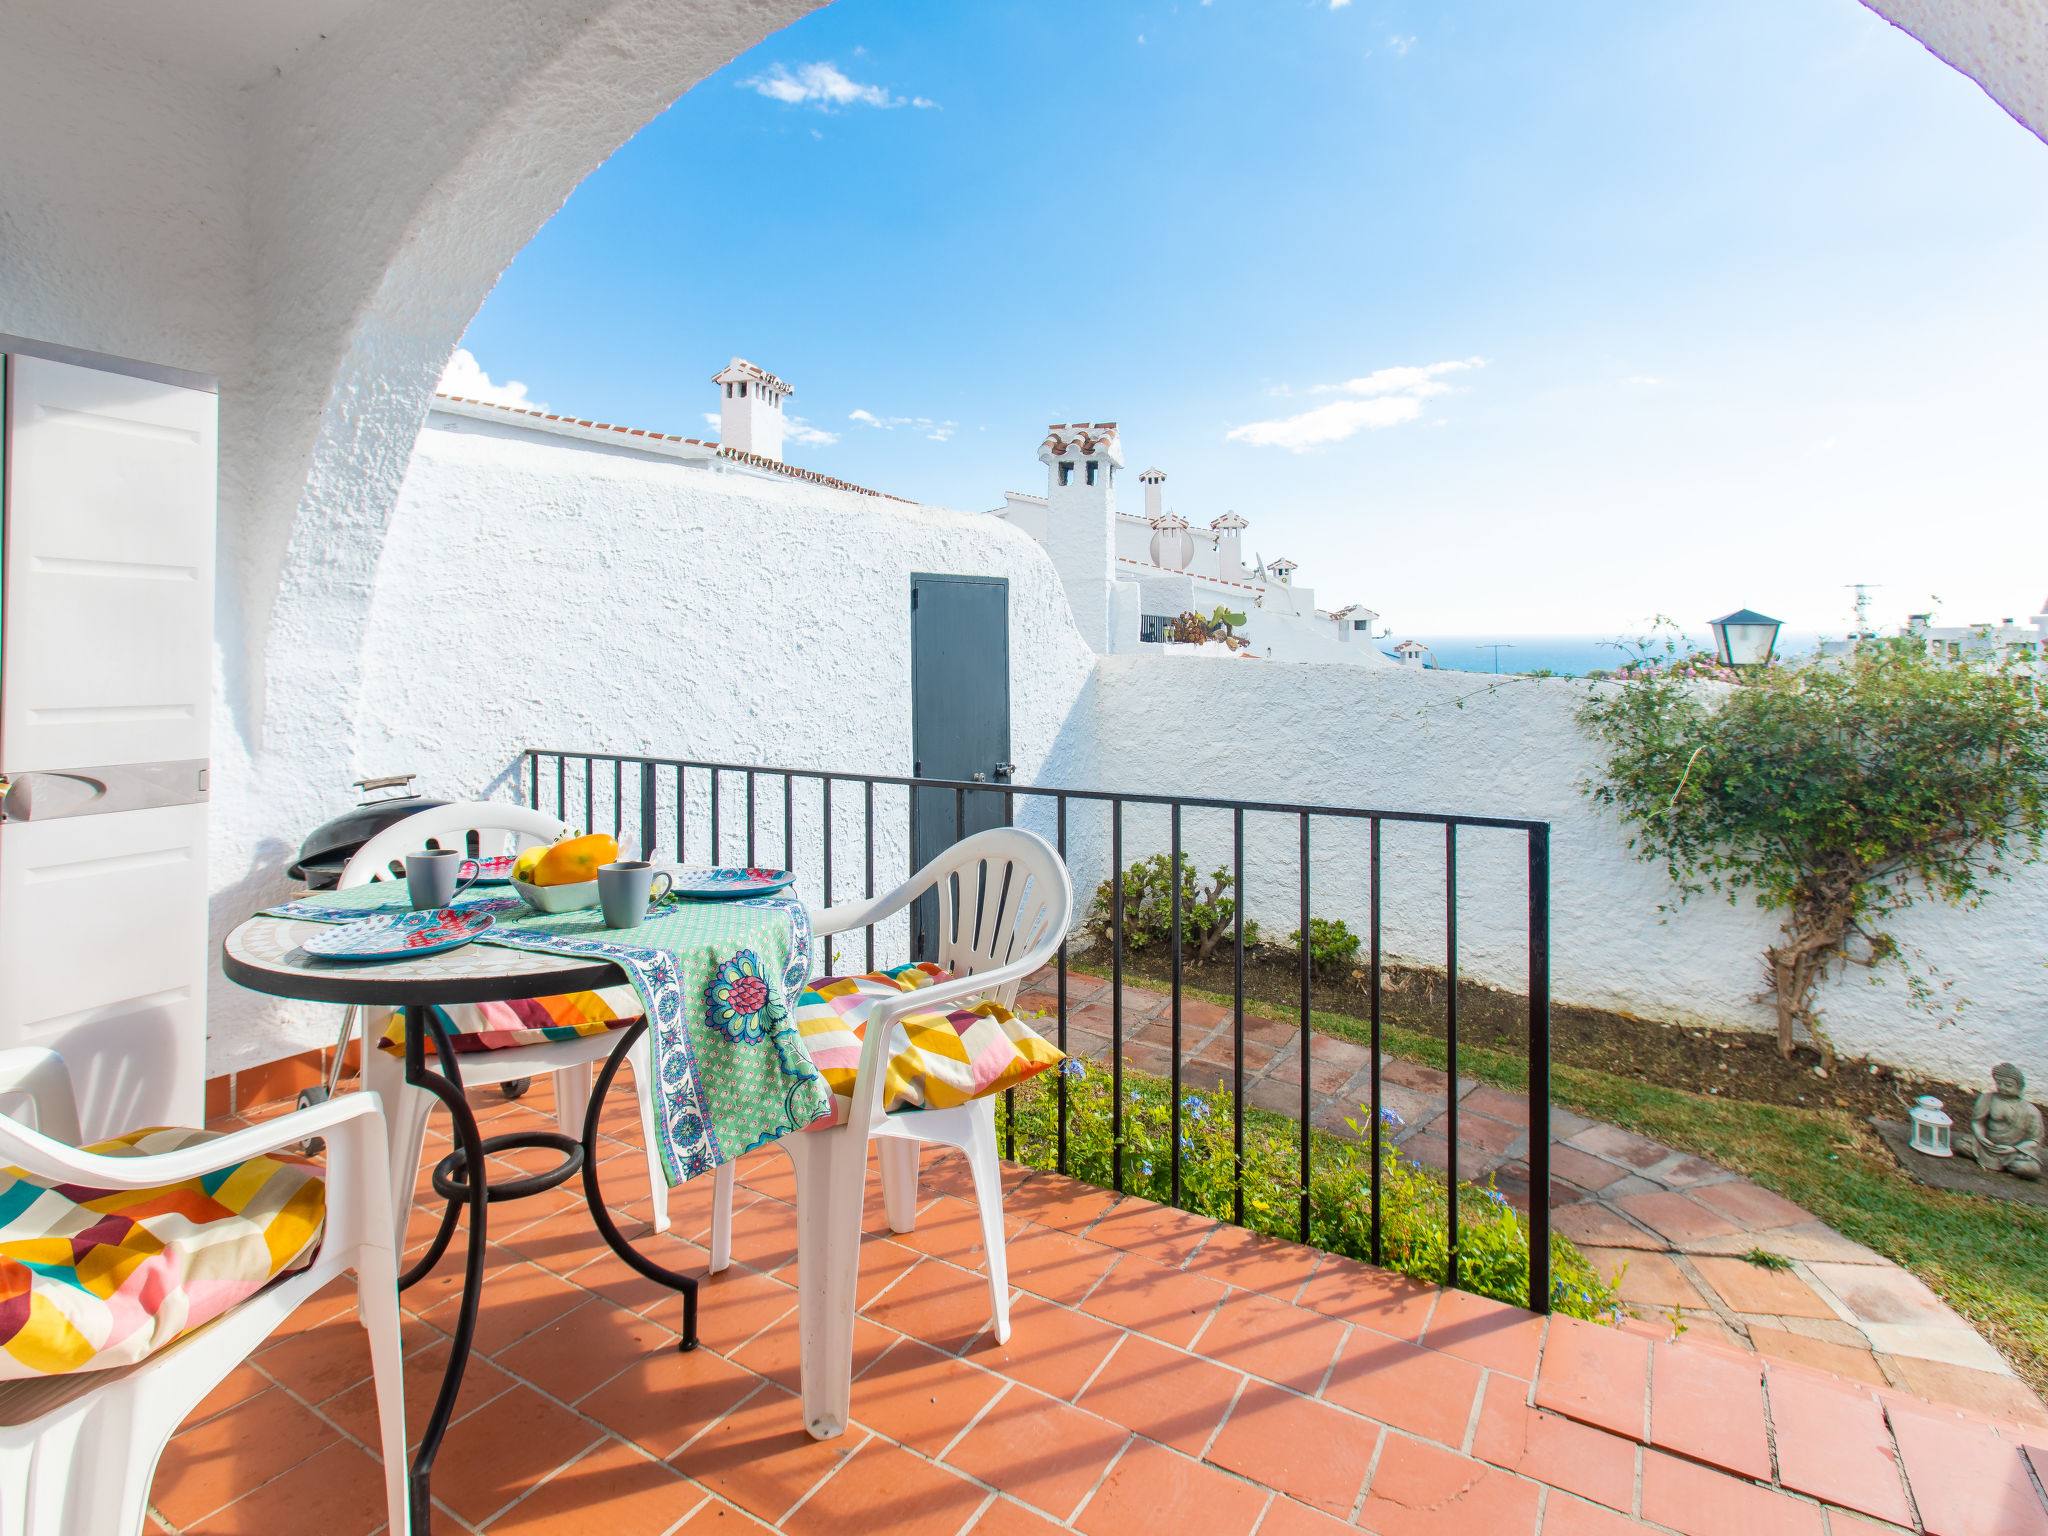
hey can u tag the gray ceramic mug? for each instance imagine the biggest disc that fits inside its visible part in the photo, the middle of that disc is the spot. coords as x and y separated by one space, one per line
436 876
625 888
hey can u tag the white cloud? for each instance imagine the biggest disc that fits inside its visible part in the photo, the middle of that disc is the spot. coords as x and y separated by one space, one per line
1387 397
1643 380
1338 5
1400 44
466 378
711 418
797 430
937 431
825 87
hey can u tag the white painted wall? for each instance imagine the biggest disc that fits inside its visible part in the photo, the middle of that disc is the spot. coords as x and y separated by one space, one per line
536 590
1402 739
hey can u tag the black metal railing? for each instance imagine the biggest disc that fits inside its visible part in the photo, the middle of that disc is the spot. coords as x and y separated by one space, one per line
683 807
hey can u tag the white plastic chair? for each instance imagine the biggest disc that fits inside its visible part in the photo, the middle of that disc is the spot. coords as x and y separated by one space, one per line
1004 901
486 828
78 1451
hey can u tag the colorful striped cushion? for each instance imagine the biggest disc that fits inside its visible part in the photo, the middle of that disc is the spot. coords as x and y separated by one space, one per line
938 1060
495 1026
91 1278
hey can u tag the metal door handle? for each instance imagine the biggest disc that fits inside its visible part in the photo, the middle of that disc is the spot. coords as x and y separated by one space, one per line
1004 771
981 778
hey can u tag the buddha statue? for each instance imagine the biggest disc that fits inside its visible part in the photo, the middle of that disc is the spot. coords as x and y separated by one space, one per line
2005 1128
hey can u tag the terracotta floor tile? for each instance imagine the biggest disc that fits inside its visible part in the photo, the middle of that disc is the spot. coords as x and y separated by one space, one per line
1158 1232
1399 1383
1593 1225
1748 1206
668 1397
342 1484
563 1242
921 1396
1169 1304
760 1458
1748 1287
1052 1200
517 1300
1841 1359
1304 1448
320 1361
356 1409
1284 1517
1051 1348
1174 1398
1380 1299
615 1488
1287 1344
490 1458
1644 1279
584 1348
1621 1147
883 1262
1423 1490
1153 1489
885 1488
949 1229
777 1351
240 1384
1039 1450
1582 1168
1708 1403
1832 1443
1600 1376
1966 1480
718 1518
766 1239
1702 1502
735 1305
1006 1517
1680 1218
1553 1450
2001 1397
1255 1263
210 1464
935 1302
1055 1264
1486 1332
1564 1515
768 1173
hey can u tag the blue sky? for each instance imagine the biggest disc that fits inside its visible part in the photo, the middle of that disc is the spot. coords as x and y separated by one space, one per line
1522 319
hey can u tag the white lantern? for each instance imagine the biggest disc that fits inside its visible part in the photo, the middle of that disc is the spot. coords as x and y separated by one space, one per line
1745 638
1930 1127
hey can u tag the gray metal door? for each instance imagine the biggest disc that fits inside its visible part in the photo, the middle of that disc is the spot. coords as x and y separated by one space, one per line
959 718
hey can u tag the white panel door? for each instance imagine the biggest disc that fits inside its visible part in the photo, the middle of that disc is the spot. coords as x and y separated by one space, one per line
106 638
109 569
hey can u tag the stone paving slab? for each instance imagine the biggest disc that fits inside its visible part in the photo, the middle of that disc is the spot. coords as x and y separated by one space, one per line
1673 1228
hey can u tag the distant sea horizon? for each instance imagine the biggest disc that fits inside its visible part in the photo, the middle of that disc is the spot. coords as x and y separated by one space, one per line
1566 655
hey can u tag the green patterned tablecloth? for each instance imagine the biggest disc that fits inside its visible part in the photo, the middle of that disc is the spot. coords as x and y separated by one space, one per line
719 981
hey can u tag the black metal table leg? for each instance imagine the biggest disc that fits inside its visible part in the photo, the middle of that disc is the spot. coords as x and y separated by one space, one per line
448 1089
606 1228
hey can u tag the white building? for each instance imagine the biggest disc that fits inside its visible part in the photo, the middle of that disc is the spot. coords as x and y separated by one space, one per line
1128 577
2004 641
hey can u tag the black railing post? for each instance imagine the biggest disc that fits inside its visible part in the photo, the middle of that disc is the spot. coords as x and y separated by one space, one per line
1539 1069
1173 1112
1307 1035
1116 996
717 843
682 813
789 821
751 818
618 797
1378 1098
1237 1019
1060 1088
1451 1041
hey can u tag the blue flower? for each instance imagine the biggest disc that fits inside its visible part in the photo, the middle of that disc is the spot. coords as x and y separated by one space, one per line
1073 1066
1495 1196
1194 1108
1390 1119
1146 1169
736 1000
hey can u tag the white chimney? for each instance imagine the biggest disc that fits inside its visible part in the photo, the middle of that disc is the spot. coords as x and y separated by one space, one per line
1229 530
1081 461
750 409
1155 507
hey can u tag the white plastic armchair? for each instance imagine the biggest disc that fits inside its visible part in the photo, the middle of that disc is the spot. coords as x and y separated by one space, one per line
487 828
78 1451
1005 902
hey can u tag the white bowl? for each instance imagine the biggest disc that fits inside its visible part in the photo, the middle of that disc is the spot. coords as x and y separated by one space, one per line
558 898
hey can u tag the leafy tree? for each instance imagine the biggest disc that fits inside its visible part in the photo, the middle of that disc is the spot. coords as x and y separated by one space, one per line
1837 792
1207 918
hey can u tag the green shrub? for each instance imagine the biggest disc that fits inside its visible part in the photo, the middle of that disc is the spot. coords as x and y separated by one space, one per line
1493 1244
1207 918
1331 945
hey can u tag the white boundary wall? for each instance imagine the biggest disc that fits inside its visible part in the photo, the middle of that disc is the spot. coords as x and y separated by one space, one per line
1477 745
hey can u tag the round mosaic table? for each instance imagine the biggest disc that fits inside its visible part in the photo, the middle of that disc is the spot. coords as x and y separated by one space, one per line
265 954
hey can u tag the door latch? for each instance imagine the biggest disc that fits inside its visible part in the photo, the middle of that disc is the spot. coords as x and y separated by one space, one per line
1004 771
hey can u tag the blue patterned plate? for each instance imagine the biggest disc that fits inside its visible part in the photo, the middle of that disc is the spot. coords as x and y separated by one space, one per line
400 936
497 871
730 882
